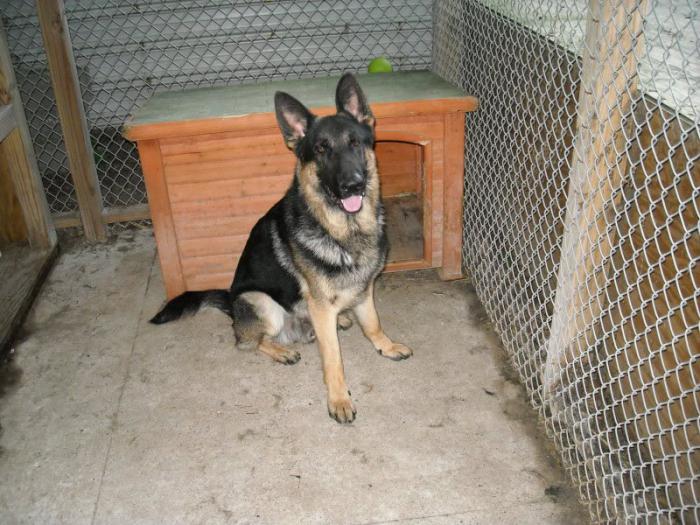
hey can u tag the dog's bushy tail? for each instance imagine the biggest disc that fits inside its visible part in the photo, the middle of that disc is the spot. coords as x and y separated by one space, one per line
190 302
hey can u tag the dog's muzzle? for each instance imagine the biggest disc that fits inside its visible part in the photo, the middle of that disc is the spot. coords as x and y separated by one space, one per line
352 192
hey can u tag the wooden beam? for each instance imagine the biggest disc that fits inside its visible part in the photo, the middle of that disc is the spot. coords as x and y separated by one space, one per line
163 227
19 159
64 78
66 220
22 272
453 197
137 212
13 228
7 121
614 41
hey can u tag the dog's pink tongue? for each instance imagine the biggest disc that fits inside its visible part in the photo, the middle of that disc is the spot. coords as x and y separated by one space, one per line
352 204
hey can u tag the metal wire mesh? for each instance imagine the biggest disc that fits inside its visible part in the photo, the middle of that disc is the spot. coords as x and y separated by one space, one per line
31 70
126 51
581 230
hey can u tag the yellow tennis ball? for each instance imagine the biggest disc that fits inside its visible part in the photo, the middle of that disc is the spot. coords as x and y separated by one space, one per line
380 65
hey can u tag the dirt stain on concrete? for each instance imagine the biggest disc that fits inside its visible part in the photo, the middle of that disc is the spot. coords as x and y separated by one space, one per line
10 379
476 313
361 454
516 406
10 376
249 432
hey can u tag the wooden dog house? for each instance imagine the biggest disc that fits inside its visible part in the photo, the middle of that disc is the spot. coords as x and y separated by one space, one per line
214 161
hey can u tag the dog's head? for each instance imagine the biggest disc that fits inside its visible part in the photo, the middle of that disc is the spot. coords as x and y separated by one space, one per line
336 145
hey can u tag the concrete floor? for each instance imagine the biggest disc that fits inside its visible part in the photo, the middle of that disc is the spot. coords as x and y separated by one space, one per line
108 419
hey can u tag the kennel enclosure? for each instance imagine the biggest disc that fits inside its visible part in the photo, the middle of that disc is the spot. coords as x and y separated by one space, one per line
581 193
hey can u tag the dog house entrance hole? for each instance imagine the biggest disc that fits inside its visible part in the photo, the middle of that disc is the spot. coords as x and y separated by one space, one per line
401 173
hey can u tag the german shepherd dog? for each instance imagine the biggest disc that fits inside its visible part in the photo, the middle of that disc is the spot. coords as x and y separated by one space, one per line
316 254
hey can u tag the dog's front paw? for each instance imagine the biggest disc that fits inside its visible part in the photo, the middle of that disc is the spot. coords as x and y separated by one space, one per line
342 409
396 351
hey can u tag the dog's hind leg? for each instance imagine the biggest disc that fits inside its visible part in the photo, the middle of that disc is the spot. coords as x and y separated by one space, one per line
298 326
344 321
277 352
257 321
368 320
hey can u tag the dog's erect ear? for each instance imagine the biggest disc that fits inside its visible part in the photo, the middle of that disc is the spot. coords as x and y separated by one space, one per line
293 118
350 99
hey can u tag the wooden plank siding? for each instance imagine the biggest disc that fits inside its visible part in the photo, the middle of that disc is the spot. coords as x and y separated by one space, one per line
220 186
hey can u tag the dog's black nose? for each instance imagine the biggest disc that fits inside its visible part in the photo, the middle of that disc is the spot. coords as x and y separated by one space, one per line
354 188
353 185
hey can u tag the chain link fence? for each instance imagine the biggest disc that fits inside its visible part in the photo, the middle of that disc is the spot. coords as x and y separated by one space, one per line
581 230
127 50
31 70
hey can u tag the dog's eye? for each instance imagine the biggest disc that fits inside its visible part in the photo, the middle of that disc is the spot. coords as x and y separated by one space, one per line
354 142
321 147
